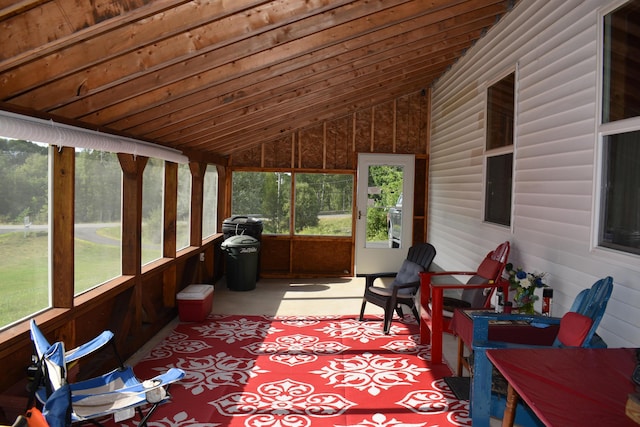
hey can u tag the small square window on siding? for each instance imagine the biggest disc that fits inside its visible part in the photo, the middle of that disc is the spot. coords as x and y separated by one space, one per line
620 179
499 151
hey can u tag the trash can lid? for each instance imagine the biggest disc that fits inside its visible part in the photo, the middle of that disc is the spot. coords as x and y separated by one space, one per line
240 240
242 219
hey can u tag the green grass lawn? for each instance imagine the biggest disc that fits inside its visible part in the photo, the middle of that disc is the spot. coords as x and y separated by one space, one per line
24 265
330 226
24 271
23 274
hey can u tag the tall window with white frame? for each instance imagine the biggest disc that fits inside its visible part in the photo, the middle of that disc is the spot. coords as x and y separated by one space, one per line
499 151
619 226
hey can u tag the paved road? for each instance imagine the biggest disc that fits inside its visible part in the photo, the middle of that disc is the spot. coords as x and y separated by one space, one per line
87 232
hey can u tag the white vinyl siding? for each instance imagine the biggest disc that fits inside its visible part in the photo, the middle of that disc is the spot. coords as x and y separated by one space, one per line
554 46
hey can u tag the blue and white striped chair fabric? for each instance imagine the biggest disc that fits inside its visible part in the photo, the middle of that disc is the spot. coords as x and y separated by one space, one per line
41 345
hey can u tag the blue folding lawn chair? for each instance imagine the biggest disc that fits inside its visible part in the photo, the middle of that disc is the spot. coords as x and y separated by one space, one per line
117 393
41 345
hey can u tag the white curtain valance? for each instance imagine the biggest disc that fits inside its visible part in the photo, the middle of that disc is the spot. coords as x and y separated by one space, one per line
32 129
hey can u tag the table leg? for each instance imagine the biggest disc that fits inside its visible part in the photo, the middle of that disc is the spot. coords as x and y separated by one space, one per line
510 408
436 325
460 356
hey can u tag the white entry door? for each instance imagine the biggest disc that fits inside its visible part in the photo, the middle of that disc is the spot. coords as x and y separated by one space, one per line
384 211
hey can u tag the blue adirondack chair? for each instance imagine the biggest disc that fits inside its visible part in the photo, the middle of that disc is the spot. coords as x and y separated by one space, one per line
590 303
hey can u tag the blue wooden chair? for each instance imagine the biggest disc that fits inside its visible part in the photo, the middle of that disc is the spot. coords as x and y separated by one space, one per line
577 329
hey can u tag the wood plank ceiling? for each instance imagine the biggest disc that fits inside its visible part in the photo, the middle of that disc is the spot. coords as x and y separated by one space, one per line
213 77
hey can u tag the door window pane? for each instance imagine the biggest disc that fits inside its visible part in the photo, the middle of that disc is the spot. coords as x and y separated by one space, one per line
384 206
24 229
98 207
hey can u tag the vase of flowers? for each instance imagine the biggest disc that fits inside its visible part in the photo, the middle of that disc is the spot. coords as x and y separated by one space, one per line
524 284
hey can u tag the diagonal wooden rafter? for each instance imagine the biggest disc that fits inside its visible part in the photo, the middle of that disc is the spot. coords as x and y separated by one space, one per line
287 84
215 77
228 88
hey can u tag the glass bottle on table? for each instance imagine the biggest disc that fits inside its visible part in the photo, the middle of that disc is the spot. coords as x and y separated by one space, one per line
547 297
499 301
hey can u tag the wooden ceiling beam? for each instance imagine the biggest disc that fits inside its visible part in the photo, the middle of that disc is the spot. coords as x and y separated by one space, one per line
277 128
270 99
48 41
188 54
197 91
348 97
242 91
211 77
325 82
9 8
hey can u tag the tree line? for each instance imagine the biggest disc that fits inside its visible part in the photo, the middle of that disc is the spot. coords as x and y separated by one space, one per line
24 185
267 195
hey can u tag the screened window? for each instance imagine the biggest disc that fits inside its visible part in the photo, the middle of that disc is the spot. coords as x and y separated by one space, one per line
98 207
323 204
499 150
620 130
152 210
210 202
24 229
263 195
184 207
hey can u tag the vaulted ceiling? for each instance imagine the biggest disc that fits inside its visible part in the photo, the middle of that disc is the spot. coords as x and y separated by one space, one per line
218 76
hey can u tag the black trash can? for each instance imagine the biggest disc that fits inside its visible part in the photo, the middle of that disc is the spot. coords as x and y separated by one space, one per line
241 255
239 225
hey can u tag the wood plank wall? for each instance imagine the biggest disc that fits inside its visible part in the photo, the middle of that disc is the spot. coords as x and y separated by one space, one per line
398 126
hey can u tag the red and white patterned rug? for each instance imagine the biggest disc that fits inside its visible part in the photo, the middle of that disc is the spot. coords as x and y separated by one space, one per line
264 371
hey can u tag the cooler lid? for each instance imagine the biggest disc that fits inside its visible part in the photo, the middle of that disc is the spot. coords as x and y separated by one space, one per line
195 292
